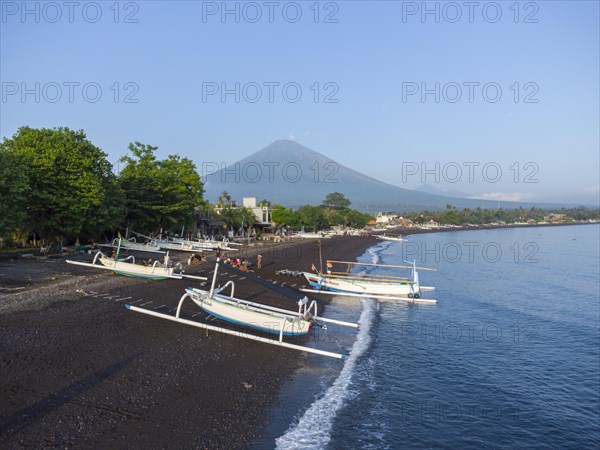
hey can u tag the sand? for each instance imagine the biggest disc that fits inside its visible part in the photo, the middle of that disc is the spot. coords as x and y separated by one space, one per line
78 369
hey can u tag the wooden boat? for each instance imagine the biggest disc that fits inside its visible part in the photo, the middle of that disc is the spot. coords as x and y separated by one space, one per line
269 319
312 236
378 286
131 244
184 245
128 267
390 238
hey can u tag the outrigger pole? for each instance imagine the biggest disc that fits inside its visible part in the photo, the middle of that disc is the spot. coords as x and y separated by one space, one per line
237 333
253 337
383 265
366 295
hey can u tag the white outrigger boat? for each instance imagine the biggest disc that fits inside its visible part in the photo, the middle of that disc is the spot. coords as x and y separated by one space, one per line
278 321
184 245
128 267
311 236
366 285
390 238
132 244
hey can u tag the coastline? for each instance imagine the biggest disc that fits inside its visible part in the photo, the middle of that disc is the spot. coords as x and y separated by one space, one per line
79 370
418 230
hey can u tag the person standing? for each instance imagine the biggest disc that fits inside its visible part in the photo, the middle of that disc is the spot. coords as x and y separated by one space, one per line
259 261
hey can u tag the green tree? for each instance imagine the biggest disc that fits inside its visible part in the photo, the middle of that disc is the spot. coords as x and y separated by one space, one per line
71 187
13 193
336 200
311 217
282 215
159 194
224 199
229 215
246 216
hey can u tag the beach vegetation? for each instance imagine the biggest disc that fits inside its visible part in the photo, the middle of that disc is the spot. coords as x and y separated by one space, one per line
159 193
56 182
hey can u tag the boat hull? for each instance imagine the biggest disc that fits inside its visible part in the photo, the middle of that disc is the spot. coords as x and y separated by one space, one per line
136 270
356 286
234 311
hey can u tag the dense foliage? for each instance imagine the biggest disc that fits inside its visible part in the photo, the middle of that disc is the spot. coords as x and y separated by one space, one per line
55 181
478 216
159 194
336 200
319 217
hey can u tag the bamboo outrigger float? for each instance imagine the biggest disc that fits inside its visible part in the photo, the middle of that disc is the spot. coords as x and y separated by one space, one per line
278 321
367 285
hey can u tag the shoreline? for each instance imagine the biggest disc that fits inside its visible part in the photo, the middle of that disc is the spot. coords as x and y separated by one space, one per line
417 230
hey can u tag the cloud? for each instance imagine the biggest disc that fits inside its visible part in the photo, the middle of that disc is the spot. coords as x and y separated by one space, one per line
505 196
595 190
307 132
291 137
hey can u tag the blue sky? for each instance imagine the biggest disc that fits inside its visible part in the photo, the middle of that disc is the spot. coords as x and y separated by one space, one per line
374 58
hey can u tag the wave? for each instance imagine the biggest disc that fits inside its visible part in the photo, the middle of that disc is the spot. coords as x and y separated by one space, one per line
313 429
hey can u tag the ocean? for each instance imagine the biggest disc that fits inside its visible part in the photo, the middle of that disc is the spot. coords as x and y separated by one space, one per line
509 357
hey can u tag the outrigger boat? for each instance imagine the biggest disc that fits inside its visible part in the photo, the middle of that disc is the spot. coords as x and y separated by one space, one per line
390 238
131 244
278 321
184 245
128 267
366 285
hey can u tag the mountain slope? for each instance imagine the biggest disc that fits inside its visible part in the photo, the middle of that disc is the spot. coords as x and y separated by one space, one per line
288 173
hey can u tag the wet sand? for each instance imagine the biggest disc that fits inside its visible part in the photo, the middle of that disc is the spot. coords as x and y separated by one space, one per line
79 370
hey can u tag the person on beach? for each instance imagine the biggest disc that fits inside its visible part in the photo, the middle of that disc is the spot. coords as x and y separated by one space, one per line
244 266
259 261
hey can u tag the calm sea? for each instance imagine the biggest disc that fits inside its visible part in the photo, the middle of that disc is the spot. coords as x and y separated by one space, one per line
508 358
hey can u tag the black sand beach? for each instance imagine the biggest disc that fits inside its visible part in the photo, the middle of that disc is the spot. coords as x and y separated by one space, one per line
79 370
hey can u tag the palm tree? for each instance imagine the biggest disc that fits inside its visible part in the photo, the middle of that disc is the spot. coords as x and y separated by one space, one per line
224 199
229 215
246 217
204 210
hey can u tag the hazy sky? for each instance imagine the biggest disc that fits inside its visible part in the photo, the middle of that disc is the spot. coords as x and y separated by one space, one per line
506 92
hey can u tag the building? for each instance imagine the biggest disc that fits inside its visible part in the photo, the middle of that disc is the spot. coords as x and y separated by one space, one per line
553 217
384 219
262 213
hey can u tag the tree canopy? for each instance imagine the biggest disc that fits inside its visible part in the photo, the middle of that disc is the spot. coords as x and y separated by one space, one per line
68 182
159 193
336 200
